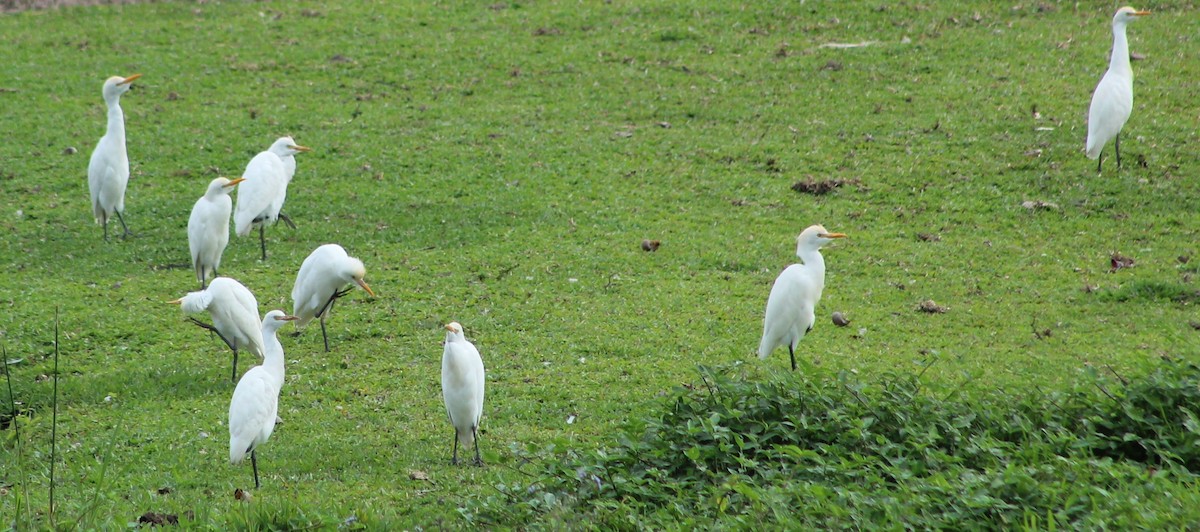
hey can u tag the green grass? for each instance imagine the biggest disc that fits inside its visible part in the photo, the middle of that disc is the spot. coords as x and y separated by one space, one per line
499 164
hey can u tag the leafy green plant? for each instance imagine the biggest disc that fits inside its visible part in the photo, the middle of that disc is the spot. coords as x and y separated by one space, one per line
835 451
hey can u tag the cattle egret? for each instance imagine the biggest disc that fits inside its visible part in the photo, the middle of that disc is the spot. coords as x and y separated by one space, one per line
252 411
286 149
261 197
234 313
792 305
462 388
108 170
1113 100
319 283
208 228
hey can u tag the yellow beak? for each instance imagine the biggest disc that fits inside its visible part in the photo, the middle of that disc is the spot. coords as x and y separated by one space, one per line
300 148
832 235
364 286
233 182
130 79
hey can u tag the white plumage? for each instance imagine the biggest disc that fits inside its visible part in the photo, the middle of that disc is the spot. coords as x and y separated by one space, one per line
320 281
1112 102
208 228
234 312
462 388
255 403
261 196
791 307
108 169
286 149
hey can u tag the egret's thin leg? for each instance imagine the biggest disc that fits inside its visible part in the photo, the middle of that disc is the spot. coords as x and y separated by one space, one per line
254 465
475 432
127 232
212 329
454 457
234 376
324 312
1117 146
792 353
287 220
262 240
324 336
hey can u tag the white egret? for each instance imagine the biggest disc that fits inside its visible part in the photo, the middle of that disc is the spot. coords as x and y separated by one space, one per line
1113 100
319 283
462 388
286 149
261 197
234 313
255 403
208 228
792 305
108 169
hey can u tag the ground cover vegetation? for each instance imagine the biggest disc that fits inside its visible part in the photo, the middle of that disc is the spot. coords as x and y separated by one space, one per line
1021 342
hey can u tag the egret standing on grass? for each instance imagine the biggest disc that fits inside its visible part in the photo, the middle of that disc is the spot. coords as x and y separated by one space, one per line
234 313
286 149
792 305
108 170
462 389
208 228
1113 100
261 197
319 283
255 403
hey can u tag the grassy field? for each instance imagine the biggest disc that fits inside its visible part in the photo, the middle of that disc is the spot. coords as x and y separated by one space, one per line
498 164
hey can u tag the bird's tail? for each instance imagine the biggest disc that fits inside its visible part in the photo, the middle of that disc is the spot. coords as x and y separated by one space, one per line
766 346
237 451
1093 148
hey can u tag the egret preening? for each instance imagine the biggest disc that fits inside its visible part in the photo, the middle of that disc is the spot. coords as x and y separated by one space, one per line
462 388
255 403
108 170
261 197
234 313
322 276
792 305
208 228
1113 100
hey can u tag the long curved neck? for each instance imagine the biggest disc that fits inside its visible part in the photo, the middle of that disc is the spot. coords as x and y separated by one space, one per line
813 262
116 120
273 355
1119 62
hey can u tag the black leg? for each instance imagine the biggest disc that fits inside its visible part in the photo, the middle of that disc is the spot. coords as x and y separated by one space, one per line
792 353
475 432
213 330
203 279
287 220
325 309
454 457
254 464
1099 161
233 377
262 240
1118 148
324 336
105 224
127 232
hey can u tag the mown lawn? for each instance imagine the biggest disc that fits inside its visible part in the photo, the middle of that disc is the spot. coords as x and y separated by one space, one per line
500 164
